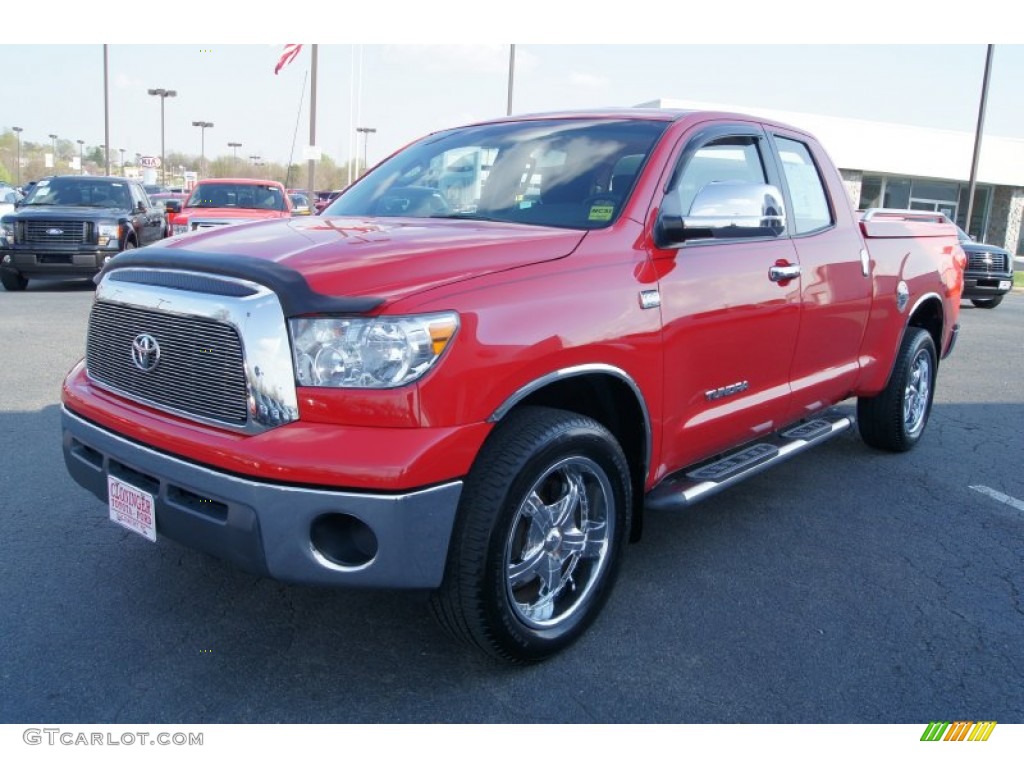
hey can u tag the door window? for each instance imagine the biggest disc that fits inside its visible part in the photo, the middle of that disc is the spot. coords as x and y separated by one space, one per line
732 158
809 203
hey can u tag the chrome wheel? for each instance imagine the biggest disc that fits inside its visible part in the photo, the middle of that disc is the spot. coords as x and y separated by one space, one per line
543 517
918 393
559 542
896 417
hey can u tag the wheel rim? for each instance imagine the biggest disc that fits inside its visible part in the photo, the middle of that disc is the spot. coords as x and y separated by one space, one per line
559 543
917 393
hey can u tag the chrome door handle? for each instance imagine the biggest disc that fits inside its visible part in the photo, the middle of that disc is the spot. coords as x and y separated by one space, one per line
779 273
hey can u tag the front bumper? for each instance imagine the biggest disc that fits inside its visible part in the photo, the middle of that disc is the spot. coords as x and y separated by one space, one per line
297 534
41 263
984 285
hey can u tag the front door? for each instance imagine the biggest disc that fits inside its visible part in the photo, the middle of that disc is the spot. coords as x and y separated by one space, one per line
729 329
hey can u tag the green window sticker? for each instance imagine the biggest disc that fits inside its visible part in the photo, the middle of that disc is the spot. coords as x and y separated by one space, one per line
601 212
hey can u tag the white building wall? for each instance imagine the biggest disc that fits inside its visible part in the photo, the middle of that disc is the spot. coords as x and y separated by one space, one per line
892 148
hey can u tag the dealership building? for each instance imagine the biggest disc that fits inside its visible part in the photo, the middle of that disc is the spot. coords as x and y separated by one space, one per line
886 165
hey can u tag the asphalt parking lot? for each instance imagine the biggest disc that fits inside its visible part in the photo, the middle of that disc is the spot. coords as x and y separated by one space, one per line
846 586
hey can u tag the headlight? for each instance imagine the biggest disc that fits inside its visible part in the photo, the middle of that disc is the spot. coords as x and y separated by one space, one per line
7 233
108 234
368 353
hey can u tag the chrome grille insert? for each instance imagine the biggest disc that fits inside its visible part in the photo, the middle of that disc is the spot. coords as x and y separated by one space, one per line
199 371
220 357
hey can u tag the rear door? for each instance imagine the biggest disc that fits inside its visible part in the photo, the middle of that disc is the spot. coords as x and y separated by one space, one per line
835 293
729 328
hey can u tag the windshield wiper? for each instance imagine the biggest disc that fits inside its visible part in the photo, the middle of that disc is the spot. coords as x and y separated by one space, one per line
468 216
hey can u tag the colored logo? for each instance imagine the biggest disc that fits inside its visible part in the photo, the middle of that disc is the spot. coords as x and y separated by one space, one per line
961 730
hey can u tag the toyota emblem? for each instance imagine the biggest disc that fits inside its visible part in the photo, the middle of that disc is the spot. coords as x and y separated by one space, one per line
145 352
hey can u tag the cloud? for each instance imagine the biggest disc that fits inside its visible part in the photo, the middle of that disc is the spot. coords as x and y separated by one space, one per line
125 82
586 80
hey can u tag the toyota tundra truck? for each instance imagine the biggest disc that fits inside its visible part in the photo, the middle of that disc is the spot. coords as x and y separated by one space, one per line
493 354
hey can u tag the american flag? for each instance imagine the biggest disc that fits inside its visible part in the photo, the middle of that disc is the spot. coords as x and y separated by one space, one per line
290 52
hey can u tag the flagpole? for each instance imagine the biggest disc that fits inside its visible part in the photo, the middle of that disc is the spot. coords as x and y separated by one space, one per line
312 123
511 75
106 112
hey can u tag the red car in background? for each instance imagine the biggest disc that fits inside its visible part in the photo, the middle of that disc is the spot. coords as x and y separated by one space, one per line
217 202
323 199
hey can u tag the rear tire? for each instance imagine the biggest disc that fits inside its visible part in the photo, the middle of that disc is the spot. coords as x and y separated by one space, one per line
13 281
539 535
894 420
992 303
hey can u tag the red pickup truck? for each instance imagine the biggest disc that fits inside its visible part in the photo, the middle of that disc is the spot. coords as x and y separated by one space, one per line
216 202
476 371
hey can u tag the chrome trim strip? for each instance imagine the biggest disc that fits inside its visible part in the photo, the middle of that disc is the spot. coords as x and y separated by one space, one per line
259 321
572 372
871 213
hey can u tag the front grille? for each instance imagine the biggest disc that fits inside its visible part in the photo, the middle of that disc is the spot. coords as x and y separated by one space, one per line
42 232
200 371
980 261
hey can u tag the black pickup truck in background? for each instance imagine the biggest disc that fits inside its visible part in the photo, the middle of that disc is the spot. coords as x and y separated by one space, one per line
988 275
70 226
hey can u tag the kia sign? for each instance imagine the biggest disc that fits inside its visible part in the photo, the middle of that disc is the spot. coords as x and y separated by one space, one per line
149 162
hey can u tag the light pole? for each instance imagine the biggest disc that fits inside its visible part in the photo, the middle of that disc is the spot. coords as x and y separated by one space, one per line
53 137
366 140
81 166
202 125
122 161
234 148
164 94
17 132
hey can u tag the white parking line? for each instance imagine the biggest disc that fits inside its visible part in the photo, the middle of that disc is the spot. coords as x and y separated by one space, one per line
1015 503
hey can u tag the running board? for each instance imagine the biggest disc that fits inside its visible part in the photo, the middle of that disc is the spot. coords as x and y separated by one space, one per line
692 484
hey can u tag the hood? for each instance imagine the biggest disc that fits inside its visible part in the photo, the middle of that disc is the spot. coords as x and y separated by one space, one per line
29 212
385 258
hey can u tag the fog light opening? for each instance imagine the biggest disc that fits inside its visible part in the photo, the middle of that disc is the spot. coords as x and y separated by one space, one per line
343 540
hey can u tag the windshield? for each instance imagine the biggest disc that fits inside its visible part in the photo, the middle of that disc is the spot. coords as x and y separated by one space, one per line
264 197
560 173
80 191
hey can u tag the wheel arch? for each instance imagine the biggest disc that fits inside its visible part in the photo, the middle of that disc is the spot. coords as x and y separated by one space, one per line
928 314
608 395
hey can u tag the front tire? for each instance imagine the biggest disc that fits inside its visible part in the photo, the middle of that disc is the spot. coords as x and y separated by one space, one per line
991 303
13 281
542 520
894 420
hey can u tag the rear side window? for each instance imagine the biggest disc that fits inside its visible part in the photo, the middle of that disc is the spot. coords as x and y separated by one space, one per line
810 209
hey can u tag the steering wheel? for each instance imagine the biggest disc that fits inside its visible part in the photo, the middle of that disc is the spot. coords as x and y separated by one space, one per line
412 201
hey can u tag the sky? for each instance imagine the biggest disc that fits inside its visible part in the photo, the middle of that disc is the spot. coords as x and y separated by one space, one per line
405 76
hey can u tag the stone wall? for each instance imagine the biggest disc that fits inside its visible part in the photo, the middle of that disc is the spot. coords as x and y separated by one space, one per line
852 181
1004 221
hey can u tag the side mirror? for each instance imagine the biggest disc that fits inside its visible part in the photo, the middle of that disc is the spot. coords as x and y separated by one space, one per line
724 210
141 207
172 206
